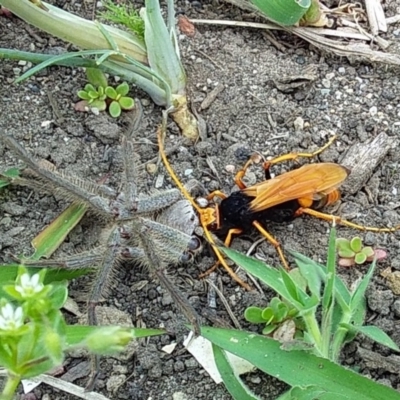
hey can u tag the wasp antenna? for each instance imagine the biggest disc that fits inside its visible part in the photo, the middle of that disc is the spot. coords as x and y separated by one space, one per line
161 136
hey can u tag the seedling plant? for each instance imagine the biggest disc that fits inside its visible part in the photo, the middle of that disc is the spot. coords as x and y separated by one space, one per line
34 336
149 60
352 252
327 315
97 94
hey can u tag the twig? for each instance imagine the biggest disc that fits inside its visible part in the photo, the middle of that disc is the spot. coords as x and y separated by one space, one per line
376 16
225 303
209 58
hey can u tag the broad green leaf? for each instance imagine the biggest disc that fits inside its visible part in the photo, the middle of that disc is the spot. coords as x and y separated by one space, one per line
111 92
254 315
82 94
266 274
48 241
233 383
122 89
302 393
310 272
298 368
77 333
96 77
356 244
126 103
376 334
346 253
285 12
114 109
368 251
343 244
360 258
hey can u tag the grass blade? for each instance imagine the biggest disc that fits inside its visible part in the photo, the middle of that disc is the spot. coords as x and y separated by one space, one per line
233 383
298 368
48 241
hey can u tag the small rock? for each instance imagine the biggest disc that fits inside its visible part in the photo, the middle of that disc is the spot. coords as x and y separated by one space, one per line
179 366
13 209
114 382
298 124
380 301
373 111
342 70
179 396
151 168
396 308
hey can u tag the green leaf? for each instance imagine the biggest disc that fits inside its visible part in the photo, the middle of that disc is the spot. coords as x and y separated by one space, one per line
48 241
303 393
358 297
331 272
345 253
93 95
285 12
310 271
356 244
378 335
82 94
360 258
90 88
163 59
368 251
298 368
267 315
123 89
101 105
126 103
268 329
9 175
96 77
343 244
114 109
111 93
232 382
254 315
266 274
59 294
78 333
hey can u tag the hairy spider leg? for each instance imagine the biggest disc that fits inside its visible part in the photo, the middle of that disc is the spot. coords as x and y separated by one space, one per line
206 215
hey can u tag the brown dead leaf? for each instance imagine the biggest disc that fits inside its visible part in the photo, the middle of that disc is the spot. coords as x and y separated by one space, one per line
186 26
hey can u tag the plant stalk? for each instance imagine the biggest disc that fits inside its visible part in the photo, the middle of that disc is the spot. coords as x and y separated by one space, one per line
10 387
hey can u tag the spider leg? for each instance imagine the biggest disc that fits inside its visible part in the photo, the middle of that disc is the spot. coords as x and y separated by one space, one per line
97 196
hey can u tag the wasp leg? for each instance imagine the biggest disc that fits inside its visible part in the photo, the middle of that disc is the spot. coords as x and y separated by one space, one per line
221 259
227 243
295 156
216 193
340 221
240 174
274 242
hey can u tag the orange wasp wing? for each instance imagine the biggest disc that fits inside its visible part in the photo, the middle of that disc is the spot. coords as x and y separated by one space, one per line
305 182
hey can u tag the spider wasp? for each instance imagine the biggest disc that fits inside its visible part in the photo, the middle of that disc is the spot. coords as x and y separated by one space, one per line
305 190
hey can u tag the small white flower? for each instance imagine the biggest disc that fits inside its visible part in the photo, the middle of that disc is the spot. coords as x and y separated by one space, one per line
29 285
11 319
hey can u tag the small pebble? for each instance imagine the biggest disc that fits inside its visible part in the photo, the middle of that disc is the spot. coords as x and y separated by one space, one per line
373 111
151 168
